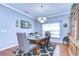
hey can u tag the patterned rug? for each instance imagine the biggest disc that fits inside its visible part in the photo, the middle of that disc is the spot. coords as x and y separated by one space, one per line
43 51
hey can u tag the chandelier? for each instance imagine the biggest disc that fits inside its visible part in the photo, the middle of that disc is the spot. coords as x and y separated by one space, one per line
42 19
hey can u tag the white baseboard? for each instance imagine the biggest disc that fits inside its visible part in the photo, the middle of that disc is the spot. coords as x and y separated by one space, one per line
8 47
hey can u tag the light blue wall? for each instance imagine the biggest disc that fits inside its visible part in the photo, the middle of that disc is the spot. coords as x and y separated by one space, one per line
38 27
8 19
64 19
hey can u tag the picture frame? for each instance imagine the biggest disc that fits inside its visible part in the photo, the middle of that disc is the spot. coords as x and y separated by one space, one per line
25 24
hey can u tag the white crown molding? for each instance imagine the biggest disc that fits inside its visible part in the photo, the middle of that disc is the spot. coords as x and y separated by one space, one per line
12 8
59 14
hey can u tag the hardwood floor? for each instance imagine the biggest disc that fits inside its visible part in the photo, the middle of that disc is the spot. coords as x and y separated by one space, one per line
61 50
8 52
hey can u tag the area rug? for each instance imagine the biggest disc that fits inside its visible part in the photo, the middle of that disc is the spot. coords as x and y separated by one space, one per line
43 51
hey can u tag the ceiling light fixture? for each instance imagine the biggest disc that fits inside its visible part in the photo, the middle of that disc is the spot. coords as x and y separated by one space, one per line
42 19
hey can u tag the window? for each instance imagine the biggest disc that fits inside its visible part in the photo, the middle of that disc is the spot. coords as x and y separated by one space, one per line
54 29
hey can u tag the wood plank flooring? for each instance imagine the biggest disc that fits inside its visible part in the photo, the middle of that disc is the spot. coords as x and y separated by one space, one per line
63 50
8 52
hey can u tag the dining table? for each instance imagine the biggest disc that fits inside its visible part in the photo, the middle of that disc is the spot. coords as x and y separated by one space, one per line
37 40
40 41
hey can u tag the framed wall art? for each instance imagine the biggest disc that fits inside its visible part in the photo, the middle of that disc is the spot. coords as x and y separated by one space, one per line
25 24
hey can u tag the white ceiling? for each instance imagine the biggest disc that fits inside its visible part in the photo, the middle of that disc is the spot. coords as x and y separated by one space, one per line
35 10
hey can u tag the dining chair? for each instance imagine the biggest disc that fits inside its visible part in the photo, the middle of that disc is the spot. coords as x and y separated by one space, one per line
24 46
47 37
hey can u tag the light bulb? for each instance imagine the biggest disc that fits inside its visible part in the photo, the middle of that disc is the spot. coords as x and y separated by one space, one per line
42 21
39 18
44 18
